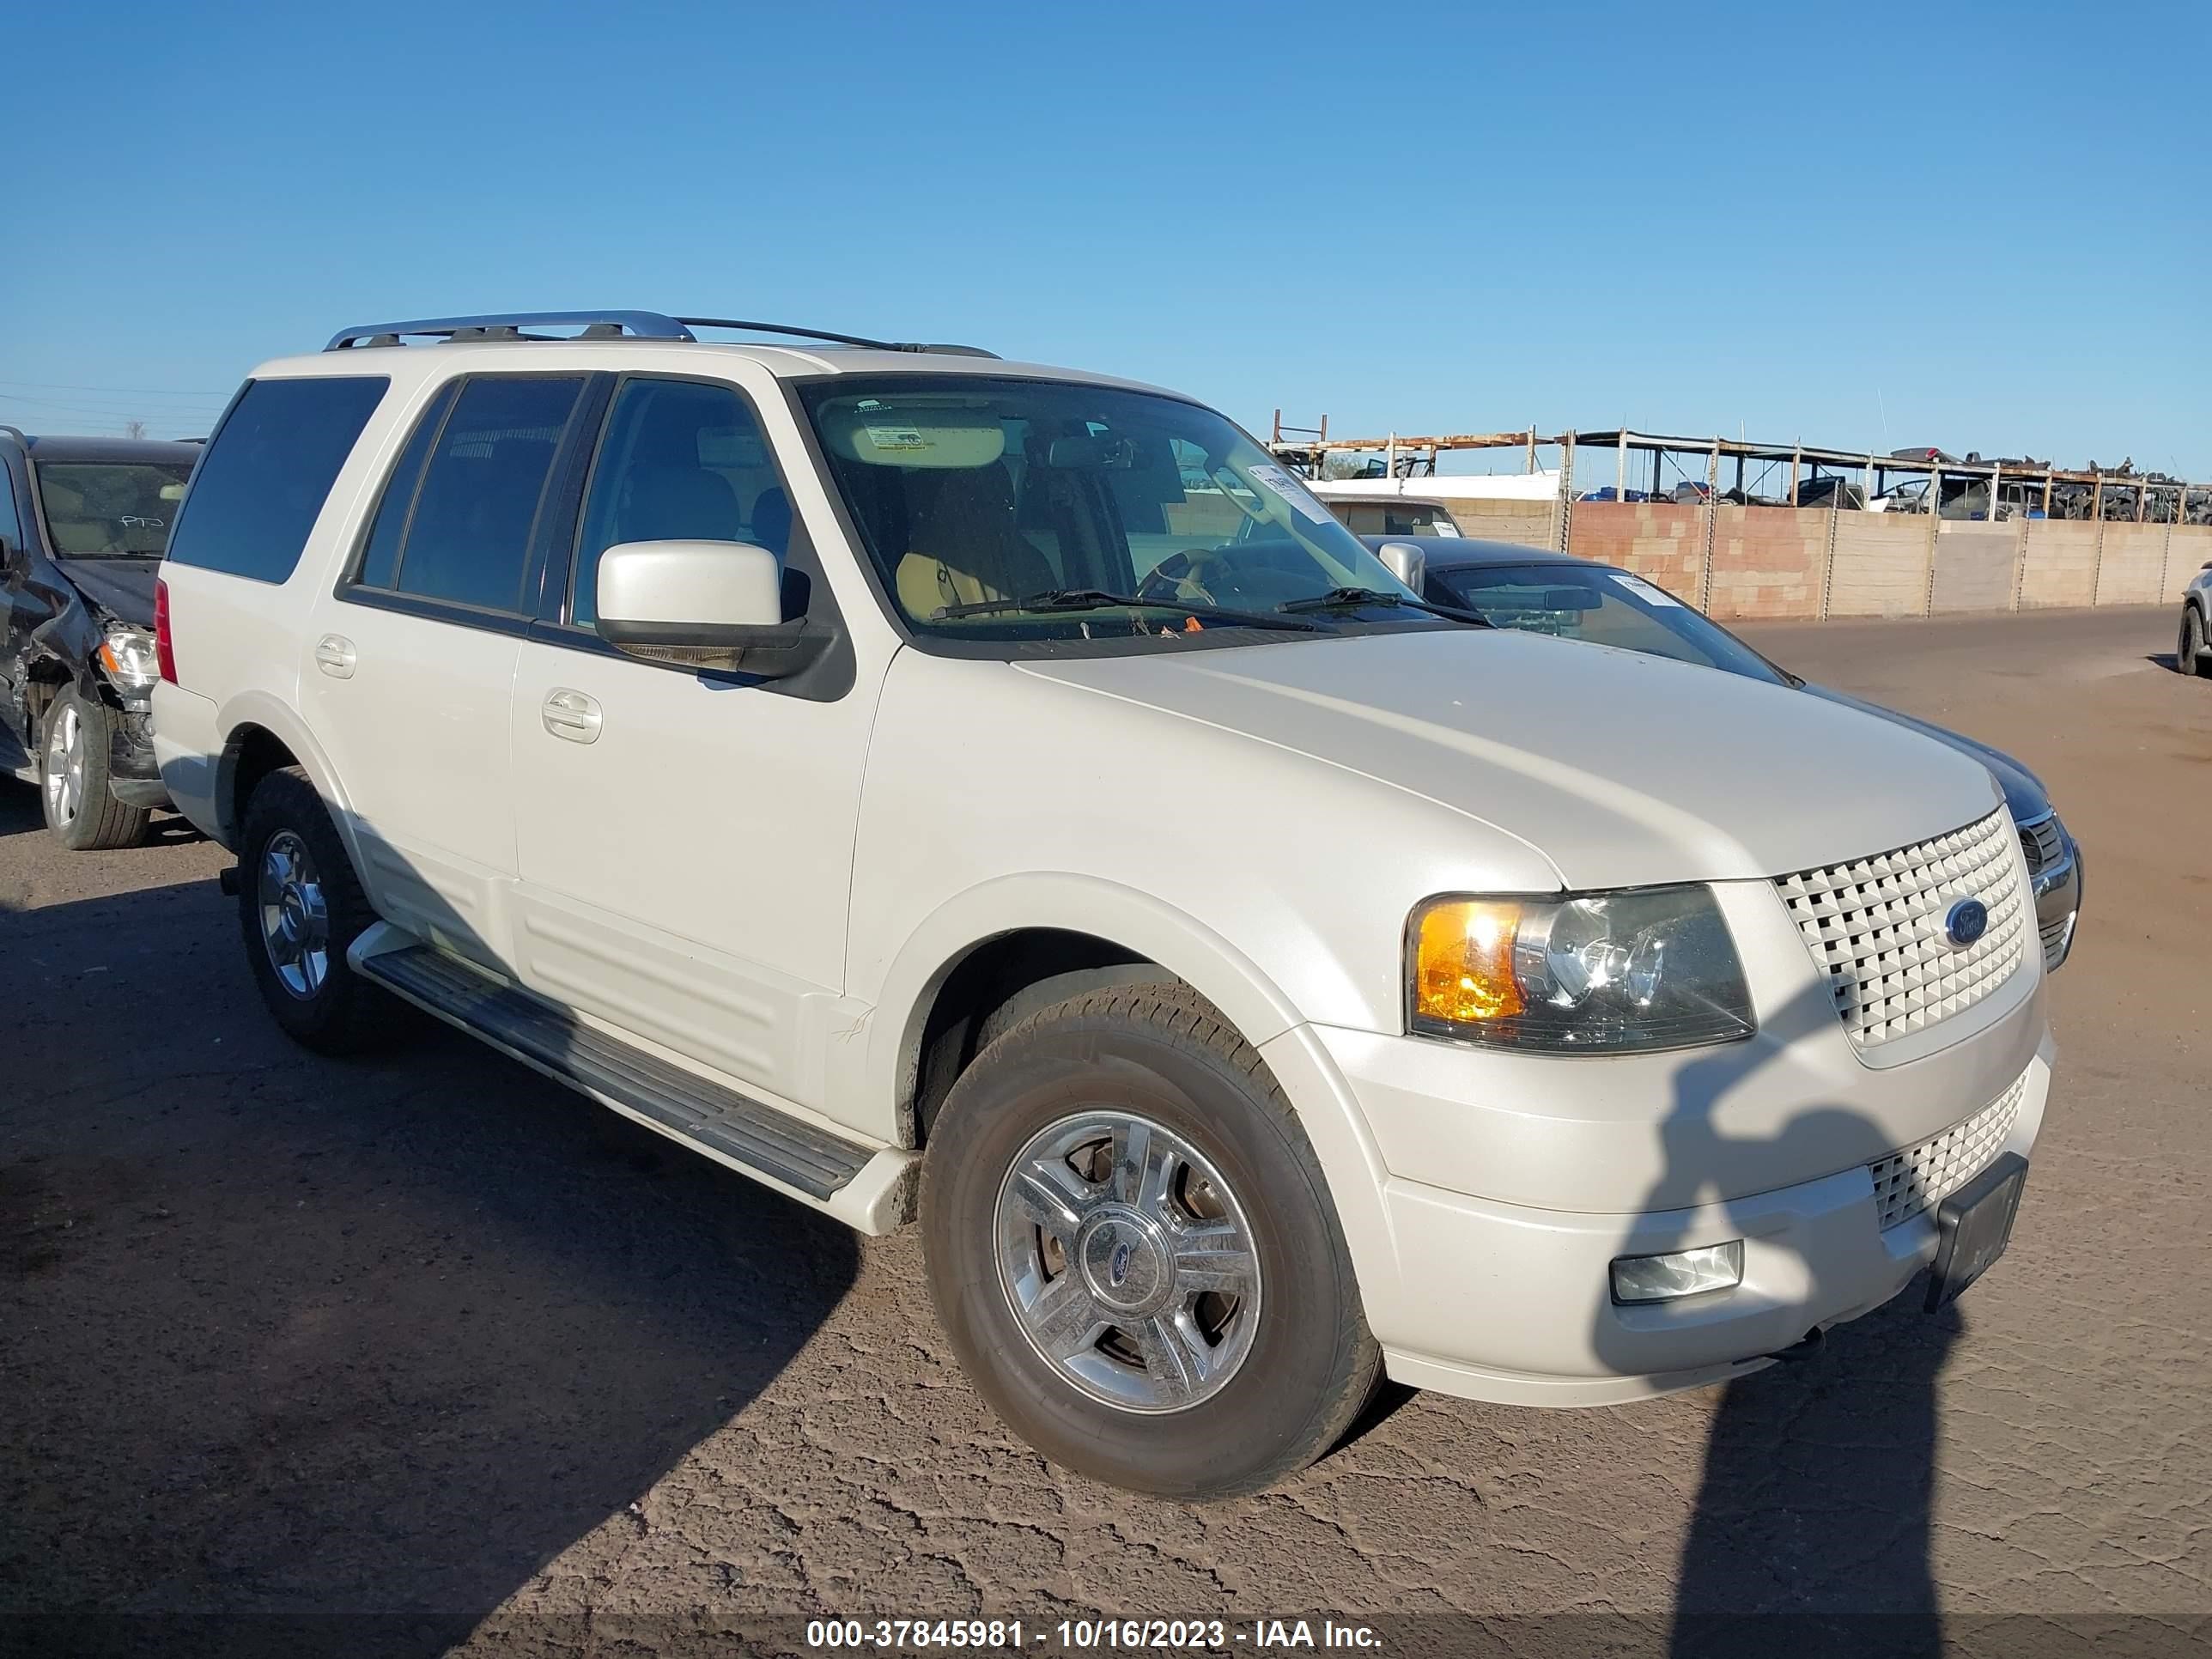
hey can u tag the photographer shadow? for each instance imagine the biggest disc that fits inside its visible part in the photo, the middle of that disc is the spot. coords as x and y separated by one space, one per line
1811 1530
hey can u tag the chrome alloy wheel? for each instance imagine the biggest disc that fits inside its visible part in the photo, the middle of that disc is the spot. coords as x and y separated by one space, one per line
1127 1261
296 919
64 770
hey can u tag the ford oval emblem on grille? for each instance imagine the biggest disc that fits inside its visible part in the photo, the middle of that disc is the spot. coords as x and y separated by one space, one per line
1968 920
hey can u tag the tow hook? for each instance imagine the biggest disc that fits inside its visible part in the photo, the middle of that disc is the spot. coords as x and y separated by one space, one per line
1798 1352
228 880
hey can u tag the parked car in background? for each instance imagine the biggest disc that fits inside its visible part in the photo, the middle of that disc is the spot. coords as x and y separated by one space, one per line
1397 516
1832 491
82 522
1965 497
1555 593
880 769
2192 652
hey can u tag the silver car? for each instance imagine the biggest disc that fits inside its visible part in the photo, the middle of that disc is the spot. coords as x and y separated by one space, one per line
2191 654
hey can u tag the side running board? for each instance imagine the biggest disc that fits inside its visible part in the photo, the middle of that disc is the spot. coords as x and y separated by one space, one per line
758 1136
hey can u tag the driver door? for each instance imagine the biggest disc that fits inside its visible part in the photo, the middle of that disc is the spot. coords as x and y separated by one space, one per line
685 838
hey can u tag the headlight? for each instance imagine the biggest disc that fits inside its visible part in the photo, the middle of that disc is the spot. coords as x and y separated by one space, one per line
127 656
1596 973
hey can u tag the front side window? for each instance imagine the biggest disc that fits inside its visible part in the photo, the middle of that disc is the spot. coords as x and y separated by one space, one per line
1602 605
1001 510
109 509
680 461
262 483
468 540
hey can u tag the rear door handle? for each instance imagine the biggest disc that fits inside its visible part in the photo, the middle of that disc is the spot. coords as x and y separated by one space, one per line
571 714
334 656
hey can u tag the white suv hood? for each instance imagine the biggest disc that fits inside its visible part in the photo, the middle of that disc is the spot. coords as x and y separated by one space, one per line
1620 768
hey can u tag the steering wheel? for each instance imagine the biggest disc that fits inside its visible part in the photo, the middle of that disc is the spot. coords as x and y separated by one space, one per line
1179 577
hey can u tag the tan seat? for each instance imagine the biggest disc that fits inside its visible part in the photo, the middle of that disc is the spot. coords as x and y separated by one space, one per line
963 545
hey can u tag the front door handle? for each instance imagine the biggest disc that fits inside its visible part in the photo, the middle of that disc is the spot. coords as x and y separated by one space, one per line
334 656
571 714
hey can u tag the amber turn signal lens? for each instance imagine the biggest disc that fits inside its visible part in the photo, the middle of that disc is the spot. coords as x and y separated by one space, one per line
1463 961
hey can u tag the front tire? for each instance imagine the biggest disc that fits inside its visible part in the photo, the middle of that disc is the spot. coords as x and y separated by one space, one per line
82 812
299 908
2189 653
1132 1249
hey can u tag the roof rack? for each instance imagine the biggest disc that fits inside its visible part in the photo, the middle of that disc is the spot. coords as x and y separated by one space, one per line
602 325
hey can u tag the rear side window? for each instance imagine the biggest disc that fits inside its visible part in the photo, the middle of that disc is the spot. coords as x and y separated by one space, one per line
468 541
379 561
267 470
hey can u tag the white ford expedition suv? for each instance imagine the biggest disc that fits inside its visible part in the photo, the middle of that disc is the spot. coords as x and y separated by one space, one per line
935 785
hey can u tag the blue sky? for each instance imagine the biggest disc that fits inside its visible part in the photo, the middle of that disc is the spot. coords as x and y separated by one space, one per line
1982 227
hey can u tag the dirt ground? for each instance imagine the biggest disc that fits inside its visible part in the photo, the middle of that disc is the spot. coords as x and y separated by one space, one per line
430 1339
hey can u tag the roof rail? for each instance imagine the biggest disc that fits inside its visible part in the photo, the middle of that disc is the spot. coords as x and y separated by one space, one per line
17 433
835 339
602 325
508 326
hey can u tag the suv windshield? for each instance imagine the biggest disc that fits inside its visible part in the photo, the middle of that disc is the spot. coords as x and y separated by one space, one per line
1606 606
1122 513
109 509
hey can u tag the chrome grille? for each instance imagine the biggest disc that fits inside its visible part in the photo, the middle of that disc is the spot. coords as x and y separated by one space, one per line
1920 1177
2042 842
1877 925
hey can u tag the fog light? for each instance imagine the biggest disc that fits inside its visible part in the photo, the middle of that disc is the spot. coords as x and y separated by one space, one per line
1686 1272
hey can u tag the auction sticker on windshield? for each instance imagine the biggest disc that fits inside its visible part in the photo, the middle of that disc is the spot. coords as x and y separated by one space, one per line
1296 494
1645 590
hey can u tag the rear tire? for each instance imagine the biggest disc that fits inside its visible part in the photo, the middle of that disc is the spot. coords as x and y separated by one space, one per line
299 908
1188 1200
82 812
2189 653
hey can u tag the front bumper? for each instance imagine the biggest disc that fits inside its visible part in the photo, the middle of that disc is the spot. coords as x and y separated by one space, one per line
1522 1312
133 776
1499 1188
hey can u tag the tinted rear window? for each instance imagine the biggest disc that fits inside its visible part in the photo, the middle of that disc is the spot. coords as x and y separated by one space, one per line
268 468
469 540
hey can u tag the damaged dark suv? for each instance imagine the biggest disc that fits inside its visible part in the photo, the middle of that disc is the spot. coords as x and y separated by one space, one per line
82 524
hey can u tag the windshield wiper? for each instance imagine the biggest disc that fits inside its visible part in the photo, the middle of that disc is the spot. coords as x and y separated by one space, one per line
1352 598
1097 598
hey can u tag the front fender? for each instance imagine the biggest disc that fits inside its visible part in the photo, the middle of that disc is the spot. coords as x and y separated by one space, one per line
1082 904
1145 925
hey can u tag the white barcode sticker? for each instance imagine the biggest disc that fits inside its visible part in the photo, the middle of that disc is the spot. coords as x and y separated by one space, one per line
1645 591
1296 494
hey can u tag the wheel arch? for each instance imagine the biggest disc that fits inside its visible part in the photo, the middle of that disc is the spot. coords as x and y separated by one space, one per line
1040 938
260 735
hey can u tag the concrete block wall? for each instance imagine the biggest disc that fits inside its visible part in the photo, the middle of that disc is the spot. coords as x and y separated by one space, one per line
2188 553
1662 542
1532 524
1976 566
1767 561
1880 566
2131 564
2059 565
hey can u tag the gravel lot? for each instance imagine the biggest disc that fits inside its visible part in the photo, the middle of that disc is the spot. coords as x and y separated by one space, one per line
433 1339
